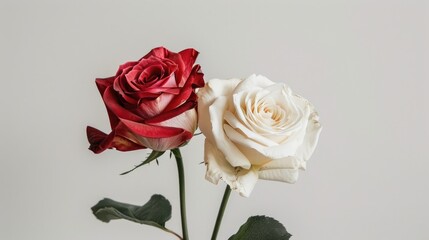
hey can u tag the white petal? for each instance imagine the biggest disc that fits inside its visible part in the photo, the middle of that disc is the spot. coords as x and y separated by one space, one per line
283 163
206 96
218 167
224 144
276 91
282 175
284 170
220 87
312 135
246 181
255 157
235 123
240 108
273 152
295 139
269 111
252 82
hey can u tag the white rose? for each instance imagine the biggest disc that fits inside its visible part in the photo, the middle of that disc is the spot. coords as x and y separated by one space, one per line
255 129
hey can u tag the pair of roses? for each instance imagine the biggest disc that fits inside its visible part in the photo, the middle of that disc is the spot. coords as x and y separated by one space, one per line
254 128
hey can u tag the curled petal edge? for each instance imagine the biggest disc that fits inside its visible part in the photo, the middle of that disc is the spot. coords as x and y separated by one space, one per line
100 141
218 168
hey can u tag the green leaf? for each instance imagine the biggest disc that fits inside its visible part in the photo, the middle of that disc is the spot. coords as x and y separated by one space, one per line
261 228
152 156
154 213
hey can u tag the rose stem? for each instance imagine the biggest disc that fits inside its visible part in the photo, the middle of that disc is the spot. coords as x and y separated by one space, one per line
221 211
179 161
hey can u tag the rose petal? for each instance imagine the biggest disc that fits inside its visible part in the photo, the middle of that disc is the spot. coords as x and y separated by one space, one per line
195 80
159 52
273 152
311 134
188 57
103 83
253 82
150 108
282 163
119 86
166 82
282 175
311 138
235 123
100 141
206 96
164 53
151 131
126 67
112 103
224 144
166 115
197 77
219 168
163 144
218 87
284 170
186 120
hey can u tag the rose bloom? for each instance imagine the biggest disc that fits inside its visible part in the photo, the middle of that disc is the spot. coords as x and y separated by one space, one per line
255 129
150 102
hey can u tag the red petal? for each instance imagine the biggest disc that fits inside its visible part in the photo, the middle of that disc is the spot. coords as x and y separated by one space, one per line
95 138
173 113
160 52
125 140
112 103
197 77
103 83
150 131
126 67
188 58
149 108
195 80
164 53
100 141
163 144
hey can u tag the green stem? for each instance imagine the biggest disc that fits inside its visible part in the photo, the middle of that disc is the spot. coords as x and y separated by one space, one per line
179 161
221 212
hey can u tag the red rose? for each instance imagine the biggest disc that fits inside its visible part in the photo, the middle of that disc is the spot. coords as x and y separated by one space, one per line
151 102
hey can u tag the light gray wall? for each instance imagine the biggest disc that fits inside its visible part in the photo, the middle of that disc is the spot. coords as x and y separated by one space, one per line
364 65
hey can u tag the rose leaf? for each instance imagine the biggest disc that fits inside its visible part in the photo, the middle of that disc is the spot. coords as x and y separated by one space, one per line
155 212
261 228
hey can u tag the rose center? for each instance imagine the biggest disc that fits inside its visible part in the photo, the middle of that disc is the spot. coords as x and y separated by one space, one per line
150 74
270 113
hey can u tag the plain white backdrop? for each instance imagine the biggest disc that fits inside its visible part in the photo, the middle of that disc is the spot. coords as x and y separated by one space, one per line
363 64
